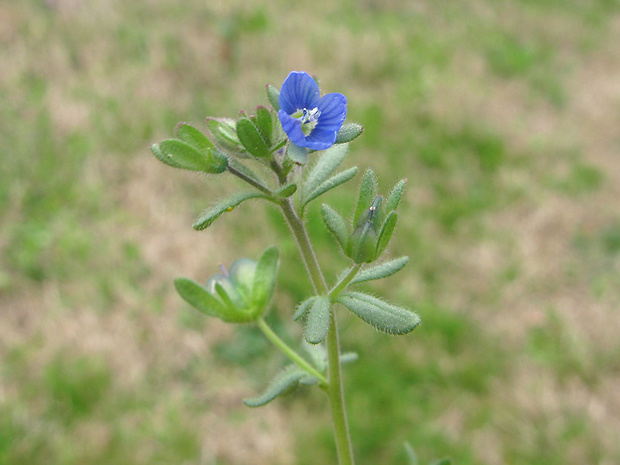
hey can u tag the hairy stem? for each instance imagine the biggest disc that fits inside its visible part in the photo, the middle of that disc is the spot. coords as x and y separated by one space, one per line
334 388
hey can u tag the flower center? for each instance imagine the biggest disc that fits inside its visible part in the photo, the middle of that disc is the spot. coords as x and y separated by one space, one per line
308 118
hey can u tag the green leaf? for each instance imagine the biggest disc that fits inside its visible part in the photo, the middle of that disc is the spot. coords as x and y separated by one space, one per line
251 138
348 132
286 191
264 124
336 225
297 154
189 134
265 278
383 316
386 232
324 167
380 271
332 182
273 95
211 214
394 198
411 455
180 154
285 380
317 322
199 298
303 307
368 191
223 132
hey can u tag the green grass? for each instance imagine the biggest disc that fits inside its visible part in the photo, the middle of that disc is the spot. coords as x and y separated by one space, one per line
510 219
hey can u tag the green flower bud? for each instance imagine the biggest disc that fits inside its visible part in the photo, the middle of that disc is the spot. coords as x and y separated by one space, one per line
239 295
362 243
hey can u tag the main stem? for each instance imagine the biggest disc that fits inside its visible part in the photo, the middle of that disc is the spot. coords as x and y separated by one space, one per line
335 388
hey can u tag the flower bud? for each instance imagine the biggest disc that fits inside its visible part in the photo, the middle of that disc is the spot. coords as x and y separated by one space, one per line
362 243
241 294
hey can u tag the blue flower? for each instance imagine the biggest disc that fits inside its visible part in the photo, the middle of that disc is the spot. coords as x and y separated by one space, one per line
309 120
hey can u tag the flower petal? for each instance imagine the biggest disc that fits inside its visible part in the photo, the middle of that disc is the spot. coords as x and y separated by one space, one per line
333 109
292 128
299 91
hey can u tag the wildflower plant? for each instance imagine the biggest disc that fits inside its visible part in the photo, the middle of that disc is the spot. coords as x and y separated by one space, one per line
289 155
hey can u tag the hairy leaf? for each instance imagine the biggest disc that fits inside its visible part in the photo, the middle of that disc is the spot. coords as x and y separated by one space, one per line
383 316
368 191
303 307
273 95
285 380
380 271
265 277
336 225
198 297
211 214
317 323
386 232
348 132
324 167
395 195
332 182
251 138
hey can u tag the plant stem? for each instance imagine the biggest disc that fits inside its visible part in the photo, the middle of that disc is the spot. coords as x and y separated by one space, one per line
342 284
334 388
290 353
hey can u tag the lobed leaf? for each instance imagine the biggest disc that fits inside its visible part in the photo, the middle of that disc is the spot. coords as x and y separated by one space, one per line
251 138
211 214
368 191
348 132
336 225
386 232
285 380
332 182
317 322
381 271
378 313
324 167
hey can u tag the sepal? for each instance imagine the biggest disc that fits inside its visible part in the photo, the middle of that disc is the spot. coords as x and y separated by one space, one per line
251 138
303 307
273 95
223 133
336 225
297 154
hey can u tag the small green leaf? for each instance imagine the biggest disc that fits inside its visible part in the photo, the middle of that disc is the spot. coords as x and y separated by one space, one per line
317 323
368 191
286 191
265 278
264 124
332 182
211 214
198 297
383 316
273 95
285 380
251 138
324 167
411 455
394 198
297 154
336 225
189 134
303 307
180 154
386 232
348 132
381 271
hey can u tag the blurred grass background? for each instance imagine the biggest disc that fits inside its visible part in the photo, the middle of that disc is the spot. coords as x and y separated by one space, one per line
504 116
